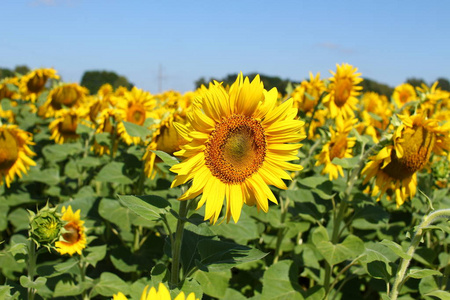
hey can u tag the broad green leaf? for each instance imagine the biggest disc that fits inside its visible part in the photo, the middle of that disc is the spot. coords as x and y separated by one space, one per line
443 295
315 293
396 248
103 138
71 169
231 294
95 254
219 256
214 284
66 288
421 273
313 181
241 232
89 162
113 211
59 152
149 207
280 282
346 163
428 285
136 130
166 158
20 218
65 267
110 284
4 209
113 172
47 176
83 129
36 284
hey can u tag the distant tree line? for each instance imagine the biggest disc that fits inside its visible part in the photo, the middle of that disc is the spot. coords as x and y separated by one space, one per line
93 80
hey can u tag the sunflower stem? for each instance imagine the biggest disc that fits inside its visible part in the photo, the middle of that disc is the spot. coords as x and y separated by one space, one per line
427 220
176 247
32 256
282 230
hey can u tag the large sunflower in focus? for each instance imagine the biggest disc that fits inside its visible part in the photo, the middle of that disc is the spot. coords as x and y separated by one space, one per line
15 153
238 147
33 83
340 146
73 235
136 106
65 95
395 167
342 91
307 94
161 294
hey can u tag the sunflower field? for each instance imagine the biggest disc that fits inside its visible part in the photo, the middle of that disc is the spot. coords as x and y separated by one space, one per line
322 191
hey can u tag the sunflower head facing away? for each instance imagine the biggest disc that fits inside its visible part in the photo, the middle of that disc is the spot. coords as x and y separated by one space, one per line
239 144
73 237
64 127
33 83
15 155
307 94
395 167
342 91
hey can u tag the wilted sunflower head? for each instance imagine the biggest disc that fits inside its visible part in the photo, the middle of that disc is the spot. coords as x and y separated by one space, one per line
33 83
73 234
15 155
396 165
45 226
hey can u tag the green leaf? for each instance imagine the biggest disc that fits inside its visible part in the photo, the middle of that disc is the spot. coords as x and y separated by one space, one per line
346 163
36 284
111 284
241 232
113 211
219 256
315 293
83 129
89 162
103 138
136 130
443 295
95 254
65 267
60 152
421 273
214 284
66 288
113 172
312 181
149 207
231 294
166 158
396 248
47 176
280 282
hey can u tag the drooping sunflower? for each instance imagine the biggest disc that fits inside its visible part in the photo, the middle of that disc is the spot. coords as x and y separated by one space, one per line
375 114
65 95
73 238
395 167
107 122
64 127
342 91
161 294
340 146
403 94
165 138
136 106
33 83
307 94
15 154
237 147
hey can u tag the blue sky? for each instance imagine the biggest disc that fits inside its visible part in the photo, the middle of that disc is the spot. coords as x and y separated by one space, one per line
388 41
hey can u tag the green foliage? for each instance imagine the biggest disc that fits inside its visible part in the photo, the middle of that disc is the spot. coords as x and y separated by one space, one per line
93 80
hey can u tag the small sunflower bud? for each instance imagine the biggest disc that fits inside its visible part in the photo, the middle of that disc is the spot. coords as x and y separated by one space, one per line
45 226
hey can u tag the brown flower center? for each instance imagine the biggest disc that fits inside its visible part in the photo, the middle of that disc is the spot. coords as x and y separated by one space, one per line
236 149
10 150
343 91
136 114
37 83
418 144
69 125
66 95
72 235
338 147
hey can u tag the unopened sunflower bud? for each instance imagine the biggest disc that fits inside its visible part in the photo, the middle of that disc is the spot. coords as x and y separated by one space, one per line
45 226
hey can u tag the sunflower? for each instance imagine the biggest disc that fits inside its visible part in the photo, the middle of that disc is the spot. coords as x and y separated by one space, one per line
395 166
73 235
5 91
165 138
161 294
64 127
433 99
375 115
33 83
403 94
107 122
136 106
15 155
237 147
340 146
307 94
65 95
342 91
